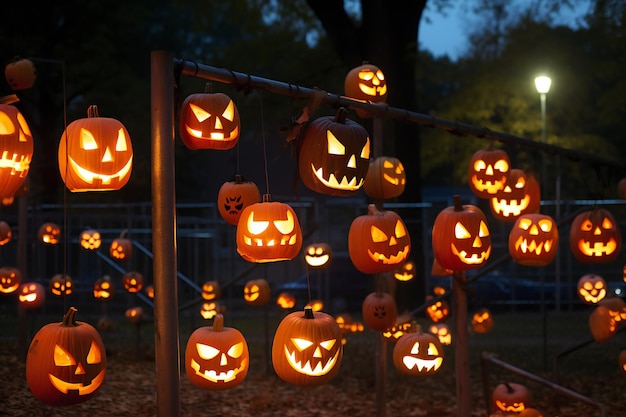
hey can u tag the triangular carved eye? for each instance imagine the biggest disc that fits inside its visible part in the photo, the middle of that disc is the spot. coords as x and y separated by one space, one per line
6 125
200 113
328 344
334 146
365 152
501 165
62 357
301 344
206 351
229 112
460 232
483 230
236 350
607 224
87 141
121 145
378 235
400 229
285 226
94 355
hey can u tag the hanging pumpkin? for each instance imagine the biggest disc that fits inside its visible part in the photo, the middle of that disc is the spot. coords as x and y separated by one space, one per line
133 281
534 239
378 241
149 290
442 332
315 305
257 292
366 82
16 142
10 279
31 295
5 233
395 332
460 237
405 272
268 232
286 300
49 234
385 178
66 362
488 172
417 353
438 310
211 290
510 397
134 315
90 240
234 196
318 255
601 324
334 155
521 195
20 74
210 310
591 288
121 248
482 321
616 307
595 236
209 121
307 348
217 357
95 154
61 285
379 311
103 288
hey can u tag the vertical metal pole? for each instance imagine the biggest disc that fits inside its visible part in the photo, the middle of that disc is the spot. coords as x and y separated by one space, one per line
166 344
544 184
461 351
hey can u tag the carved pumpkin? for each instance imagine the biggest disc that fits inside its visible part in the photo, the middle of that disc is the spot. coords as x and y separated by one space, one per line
534 239
61 285
90 240
595 236
134 315
103 288
210 310
488 172
49 234
318 255
268 232
438 311
616 307
149 290
482 321
378 241
257 292
95 154
366 82
10 279
121 248
5 233
307 348
379 311
460 237
442 332
209 121
66 362
395 332
31 295
601 324
133 281
385 178
621 360
211 290
521 195
591 288
286 300
510 397
405 272
234 196
334 155
16 142
217 357
20 74
417 353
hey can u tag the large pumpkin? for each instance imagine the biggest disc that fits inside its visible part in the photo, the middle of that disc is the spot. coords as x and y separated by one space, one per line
595 236
379 311
534 239
488 172
95 154
460 237
417 353
234 196
385 178
334 155
307 348
521 195
216 358
66 362
16 142
378 241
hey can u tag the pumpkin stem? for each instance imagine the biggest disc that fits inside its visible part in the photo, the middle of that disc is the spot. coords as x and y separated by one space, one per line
457 203
266 198
340 116
238 178
208 88
123 234
92 111
69 319
308 312
218 323
509 388
415 328
372 209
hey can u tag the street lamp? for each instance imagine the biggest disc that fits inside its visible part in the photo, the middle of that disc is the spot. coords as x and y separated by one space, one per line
543 83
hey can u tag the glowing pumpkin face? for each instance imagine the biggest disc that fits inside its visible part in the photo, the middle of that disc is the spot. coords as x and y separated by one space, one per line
616 307
61 285
209 121
5 233
49 234
103 288
366 82
438 311
482 321
234 196
534 239
268 232
488 172
211 290
379 311
334 155
95 154
460 237
133 282
286 300
134 315
395 332
307 348
591 288
602 324
16 142
209 310
31 295
405 272
121 249
257 292
90 240
418 353
385 178
442 332
318 255
520 195
595 236
510 397
66 362
10 279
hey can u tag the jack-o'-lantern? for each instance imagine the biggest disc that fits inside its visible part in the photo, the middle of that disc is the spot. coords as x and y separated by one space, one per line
209 121
488 172
257 292
95 154
286 300
61 285
103 288
133 281
149 290
385 178
601 324
66 362
616 307
134 315
20 74
378 241
438 311
31 295
534 239
379 311
460 237
268 232
90 239
442 332
595 236
417 353
211 290
395 332
347 325
16 142
521 195
217 357
49 233
366 82
121 248
307 348
5 233
234 196
591 288
210 310
510 397
10 279
405 272
482 321
318 255
334 155
621 360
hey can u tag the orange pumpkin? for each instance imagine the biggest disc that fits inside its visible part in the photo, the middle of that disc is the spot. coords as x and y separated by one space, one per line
20 74
601 324
234 196
482 321
595 236
5 233
379 311
133 281
534 239
257 292
49 233
10 279
90 240
385 178
510 397
211 290
366 82
103 288
406 271
16 142
61 285
318 255
591 288
488 172
417 353
31 295
121 248
521 195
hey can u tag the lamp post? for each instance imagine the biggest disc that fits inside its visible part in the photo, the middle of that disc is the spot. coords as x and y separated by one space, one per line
543 83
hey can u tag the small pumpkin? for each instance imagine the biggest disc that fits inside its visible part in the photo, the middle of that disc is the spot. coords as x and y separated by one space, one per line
595 236
103 288
442 332
521 195
257 292
366 82
5 233
510 397
406 271
534 239
591 288
482 321
133 281
488 172
417 353
10 279
286 300
20 74
438 310
379 311
385 178
211 290
318 255
31 295
49 233
134 315
234 196
90 240
61 285
121 248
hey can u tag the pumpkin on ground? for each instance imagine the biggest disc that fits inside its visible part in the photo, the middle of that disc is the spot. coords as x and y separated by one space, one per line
510 397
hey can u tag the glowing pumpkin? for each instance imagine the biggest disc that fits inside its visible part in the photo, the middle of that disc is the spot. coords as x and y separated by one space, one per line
442 332
318 255
534 239
61 285
595 236
488 172
438 310
103 288
510 397
121 249
10 279
482 321
602 324
385 178
31 295
521 195
286 300
417 353
16 142
366 82
49 234
395 332
20 74
405 272
257 292
90 240
591 288
133 281
134 315
211 290
234 196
